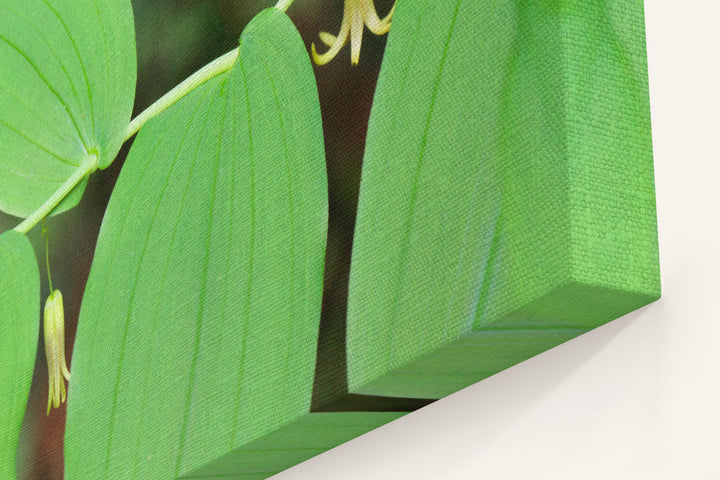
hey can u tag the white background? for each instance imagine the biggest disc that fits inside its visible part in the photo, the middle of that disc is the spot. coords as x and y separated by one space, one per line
638 398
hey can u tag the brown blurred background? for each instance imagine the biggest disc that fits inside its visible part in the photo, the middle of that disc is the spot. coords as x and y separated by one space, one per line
174 39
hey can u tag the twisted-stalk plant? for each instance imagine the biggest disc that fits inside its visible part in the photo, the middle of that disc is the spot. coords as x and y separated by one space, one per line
357 15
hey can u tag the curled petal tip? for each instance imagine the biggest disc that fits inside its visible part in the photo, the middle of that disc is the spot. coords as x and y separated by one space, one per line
317 58
328 39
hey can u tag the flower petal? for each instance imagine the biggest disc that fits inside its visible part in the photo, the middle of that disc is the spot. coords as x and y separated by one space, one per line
356 33
328 39
59 316
54 332
340 41
373 22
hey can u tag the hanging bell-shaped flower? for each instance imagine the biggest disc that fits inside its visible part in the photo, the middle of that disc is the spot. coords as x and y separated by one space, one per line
54 329
358 14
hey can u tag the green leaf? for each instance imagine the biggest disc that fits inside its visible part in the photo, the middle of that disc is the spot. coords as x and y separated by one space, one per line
67 88
507 199
199 324
19 316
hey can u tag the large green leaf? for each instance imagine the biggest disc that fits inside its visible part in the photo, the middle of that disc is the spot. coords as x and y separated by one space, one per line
199 324
507 200
19 316
67 86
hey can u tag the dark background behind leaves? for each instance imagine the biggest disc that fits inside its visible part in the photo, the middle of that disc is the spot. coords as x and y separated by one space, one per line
174 39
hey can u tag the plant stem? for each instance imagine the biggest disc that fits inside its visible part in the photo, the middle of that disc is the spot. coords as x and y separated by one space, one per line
47 256
284 4
216 67
85 169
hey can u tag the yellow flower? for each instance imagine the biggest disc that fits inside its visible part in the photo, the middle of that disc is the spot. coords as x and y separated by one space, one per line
54 329
358 13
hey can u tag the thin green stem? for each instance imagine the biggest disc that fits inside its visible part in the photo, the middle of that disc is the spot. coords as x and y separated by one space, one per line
218 66
284 4
47 256
85 169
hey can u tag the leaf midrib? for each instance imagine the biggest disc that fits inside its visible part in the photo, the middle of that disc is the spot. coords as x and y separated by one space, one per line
413 198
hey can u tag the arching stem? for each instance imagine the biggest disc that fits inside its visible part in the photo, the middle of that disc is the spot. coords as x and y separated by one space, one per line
85 169
217 67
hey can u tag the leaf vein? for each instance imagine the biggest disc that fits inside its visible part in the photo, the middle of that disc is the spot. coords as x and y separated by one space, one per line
413 198
134 289
203 290
50 87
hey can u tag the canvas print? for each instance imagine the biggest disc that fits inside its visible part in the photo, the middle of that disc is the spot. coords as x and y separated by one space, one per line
238 234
